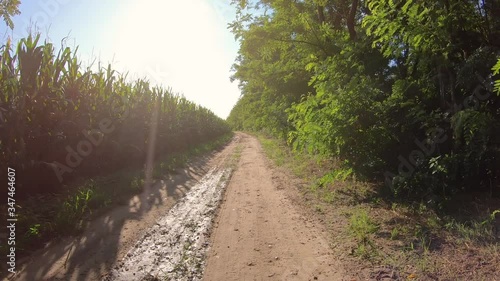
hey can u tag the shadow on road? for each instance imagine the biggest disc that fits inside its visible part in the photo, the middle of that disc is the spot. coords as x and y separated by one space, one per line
106 239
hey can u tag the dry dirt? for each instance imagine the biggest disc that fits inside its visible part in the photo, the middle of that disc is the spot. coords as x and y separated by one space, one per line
258 232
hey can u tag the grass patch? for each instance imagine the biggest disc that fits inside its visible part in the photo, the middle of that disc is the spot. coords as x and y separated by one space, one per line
361 227
275 150
302 165
481 230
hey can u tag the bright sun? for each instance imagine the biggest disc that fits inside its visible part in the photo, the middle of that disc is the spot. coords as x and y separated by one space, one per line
178 44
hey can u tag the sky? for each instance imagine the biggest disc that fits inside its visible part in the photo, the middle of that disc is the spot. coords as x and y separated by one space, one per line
180 44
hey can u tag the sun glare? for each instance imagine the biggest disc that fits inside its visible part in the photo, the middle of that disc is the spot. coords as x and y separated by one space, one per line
179 44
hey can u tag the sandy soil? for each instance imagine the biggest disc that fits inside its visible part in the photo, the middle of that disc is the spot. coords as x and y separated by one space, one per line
260 234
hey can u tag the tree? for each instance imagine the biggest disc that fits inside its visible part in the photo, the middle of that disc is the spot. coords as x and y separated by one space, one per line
370 82
8 9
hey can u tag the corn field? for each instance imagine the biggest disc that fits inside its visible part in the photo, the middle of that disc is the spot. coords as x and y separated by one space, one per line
60 121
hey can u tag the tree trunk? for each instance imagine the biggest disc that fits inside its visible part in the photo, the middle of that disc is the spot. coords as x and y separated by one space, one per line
351 19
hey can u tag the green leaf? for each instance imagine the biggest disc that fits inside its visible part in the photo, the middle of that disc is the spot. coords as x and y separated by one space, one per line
406 6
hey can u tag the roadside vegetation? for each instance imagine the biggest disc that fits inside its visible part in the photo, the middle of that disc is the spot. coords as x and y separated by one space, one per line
400 92
84 140
377 236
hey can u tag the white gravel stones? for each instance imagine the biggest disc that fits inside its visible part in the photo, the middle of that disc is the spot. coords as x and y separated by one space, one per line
175 247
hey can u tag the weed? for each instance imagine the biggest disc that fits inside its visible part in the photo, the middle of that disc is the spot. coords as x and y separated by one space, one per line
366 250
137 183
395 232
361 227
433 222
318 208
418 228
330 197
476 231
273 149
34 230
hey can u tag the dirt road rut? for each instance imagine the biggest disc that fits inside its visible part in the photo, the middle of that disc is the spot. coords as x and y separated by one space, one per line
260 234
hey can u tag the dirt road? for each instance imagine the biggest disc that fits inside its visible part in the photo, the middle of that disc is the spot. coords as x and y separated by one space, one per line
175 230
109 239
260 234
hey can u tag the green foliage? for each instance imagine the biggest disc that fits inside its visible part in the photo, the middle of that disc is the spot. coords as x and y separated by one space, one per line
496 71
34 230
137 183
8 9
472 133
361 227
51 103
336 175
483 230
375 100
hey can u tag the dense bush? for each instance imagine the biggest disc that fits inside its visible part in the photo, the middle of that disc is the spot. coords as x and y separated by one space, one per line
401 91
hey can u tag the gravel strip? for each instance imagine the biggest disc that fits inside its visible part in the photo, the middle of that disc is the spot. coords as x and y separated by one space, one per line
175 247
